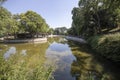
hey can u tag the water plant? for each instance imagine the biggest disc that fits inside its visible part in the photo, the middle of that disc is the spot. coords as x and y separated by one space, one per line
20 67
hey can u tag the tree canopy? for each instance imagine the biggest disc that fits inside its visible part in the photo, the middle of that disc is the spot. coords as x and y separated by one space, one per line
29 22
32 22
5 18
95 16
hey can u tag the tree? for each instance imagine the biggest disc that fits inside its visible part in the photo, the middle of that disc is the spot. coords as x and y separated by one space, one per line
51 31
93 17
14 27
78 20
5 17
60 31
33 23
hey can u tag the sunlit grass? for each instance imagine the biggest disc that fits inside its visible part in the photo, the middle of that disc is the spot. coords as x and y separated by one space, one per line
26 67
115 29
107 45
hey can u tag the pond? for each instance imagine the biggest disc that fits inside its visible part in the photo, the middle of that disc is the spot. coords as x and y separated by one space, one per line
72 61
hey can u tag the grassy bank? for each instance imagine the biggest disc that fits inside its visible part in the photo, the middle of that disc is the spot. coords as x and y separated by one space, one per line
107 45
20 67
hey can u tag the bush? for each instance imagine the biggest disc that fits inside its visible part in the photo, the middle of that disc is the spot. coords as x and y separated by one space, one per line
107 45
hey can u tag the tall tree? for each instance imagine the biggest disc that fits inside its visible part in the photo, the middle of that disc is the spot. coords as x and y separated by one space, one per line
33 23
92 16
78 20
5 17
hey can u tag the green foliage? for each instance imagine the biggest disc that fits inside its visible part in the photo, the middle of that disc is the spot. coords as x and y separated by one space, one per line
26 22
19 67
5 17
60 31
92 16
78 20
33 23
97 17
107 45
51 31
20 71
8 25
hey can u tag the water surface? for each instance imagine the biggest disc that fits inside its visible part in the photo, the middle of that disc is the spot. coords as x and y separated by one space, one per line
61 55
72 61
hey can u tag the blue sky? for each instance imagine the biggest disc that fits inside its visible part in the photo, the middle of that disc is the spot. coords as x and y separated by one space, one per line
57 13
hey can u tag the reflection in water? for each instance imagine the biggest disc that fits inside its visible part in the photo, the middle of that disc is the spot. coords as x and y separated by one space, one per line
12 50
59 47
62 40
23 52
72 62
85 68
88 65
60 55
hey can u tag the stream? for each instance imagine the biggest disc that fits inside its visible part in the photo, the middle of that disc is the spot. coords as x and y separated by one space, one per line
73 61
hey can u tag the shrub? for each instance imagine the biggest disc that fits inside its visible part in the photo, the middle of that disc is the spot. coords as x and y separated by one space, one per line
107 45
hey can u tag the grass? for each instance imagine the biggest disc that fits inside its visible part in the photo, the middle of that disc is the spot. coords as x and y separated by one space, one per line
115 29
21 70
107 45
20 67
13 69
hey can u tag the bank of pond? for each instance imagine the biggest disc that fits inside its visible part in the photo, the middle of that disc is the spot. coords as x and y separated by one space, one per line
56 59
107 45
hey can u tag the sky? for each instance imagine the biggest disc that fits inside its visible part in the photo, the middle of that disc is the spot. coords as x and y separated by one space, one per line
57 13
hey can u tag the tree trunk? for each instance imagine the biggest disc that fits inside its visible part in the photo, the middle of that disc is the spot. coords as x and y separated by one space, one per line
98 23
